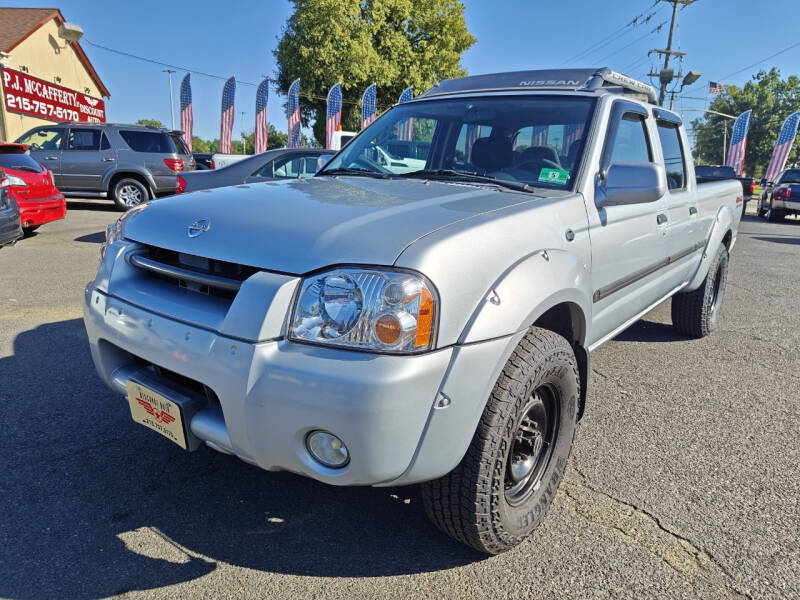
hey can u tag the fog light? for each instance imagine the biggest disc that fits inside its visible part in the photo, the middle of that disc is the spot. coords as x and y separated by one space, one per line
327 449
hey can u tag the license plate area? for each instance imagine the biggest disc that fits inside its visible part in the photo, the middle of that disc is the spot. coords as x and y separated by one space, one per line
162 409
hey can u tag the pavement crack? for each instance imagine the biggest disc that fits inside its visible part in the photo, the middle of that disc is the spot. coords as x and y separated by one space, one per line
639 526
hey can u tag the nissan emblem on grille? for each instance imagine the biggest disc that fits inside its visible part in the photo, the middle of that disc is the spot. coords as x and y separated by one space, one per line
199 227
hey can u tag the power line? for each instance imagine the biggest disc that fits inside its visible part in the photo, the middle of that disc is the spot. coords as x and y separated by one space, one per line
614 36
763 60
637 40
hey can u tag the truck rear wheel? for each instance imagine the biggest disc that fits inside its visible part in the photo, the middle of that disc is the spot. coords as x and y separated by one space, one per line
695 313
501 490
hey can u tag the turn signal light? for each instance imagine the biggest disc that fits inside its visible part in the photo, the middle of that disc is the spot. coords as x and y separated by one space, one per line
424 318
175 164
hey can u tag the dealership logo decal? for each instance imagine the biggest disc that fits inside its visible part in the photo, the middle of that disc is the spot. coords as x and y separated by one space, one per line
161 416
91 101
199 227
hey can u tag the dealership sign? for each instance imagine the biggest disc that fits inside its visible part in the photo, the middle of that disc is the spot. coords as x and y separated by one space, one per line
39 98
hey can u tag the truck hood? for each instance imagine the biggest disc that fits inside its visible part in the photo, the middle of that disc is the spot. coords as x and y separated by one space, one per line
300 225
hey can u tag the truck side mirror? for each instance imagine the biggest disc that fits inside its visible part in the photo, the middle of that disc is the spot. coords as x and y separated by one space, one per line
322 160
630 183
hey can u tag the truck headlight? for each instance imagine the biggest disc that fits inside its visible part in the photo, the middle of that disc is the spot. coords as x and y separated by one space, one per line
383 310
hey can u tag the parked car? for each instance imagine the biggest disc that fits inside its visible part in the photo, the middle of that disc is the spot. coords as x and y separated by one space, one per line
705 173
219 160
340 138
203 161
128 163
371 327
782 197
283 163
10 226
32 186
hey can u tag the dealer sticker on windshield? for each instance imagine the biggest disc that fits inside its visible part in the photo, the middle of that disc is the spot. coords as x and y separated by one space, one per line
556 176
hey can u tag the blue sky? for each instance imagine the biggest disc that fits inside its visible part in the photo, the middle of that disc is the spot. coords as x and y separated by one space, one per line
720 37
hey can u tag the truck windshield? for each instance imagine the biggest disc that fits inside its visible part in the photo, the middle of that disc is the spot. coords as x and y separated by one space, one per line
515 140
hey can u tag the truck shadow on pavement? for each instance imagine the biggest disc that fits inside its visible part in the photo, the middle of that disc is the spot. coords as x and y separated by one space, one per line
96 505
650 331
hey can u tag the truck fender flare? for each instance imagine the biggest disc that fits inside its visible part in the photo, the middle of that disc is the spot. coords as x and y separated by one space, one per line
143 173
526 290
722 225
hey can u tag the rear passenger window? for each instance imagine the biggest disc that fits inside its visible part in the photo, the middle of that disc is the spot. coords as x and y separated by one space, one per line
104 143
148 141
84 139
630 143
672 149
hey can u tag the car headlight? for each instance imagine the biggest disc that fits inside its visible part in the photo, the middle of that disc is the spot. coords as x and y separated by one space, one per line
381 310
116 230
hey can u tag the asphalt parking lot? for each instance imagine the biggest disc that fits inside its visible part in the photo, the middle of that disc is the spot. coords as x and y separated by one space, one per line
684 482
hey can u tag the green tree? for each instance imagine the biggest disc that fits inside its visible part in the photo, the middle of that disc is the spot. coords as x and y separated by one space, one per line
771 98
393 43
150 122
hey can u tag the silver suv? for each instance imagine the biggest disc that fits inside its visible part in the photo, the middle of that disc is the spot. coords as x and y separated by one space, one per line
128 163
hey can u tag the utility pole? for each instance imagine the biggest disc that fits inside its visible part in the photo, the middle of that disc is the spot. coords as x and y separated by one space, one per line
666 75
171 104
244 140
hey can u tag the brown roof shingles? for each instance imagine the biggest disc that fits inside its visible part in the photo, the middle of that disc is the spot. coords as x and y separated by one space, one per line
16 24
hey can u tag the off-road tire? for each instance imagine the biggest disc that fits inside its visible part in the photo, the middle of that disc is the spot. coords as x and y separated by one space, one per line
775 215
124 184
469 503
695 314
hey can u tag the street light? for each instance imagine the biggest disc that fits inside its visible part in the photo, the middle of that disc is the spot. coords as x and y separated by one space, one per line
689 79
171 105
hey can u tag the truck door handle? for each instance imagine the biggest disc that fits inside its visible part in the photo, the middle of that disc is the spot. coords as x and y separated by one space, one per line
661 218
692 210
108 159
51 158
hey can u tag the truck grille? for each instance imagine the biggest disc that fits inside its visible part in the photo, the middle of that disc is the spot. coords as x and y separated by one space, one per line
194 273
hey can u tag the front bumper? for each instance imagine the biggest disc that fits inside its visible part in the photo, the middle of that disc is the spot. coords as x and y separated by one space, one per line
38 212
272 393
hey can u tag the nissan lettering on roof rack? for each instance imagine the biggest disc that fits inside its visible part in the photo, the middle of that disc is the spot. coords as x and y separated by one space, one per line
389 322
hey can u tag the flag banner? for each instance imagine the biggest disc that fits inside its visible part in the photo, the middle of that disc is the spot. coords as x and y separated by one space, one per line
539 135
405 130
369 105
293 115
738 144
334 112
783 146
261 133
714 87
187 118
226 123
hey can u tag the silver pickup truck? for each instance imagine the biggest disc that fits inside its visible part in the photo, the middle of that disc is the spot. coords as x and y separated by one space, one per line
370 327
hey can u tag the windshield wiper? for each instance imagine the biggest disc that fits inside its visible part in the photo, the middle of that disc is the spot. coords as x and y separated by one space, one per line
358 172
468 176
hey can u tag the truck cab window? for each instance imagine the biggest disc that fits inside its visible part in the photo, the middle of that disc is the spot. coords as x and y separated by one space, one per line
630 144
674 160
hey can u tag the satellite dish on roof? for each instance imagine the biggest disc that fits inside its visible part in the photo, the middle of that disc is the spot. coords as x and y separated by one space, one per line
70 32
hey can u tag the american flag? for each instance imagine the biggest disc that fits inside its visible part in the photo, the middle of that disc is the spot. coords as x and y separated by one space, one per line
739 142
714 87
187 118
226 123
369 105
783 146
405 129
539 135
293 114
334 112
572 133
261 134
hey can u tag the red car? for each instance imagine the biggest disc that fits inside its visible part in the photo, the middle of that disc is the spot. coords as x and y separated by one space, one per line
32 187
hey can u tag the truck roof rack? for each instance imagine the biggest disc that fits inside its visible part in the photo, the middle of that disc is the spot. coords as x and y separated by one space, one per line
584 80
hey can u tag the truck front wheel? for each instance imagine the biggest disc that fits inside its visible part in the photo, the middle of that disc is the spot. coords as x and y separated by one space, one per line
501 490
695 313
